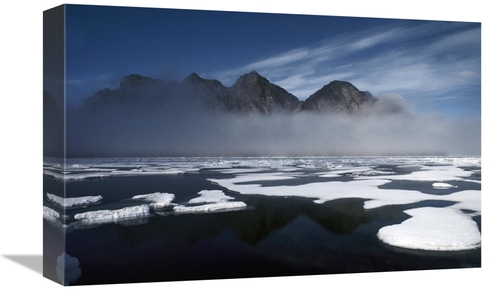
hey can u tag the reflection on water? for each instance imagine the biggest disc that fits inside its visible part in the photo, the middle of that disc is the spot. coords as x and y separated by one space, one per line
277 237
67 269
123 222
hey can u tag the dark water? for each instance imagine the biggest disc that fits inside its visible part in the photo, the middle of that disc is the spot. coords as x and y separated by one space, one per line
273 237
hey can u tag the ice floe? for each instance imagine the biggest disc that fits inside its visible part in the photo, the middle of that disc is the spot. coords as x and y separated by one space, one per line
321 190
211 196
469 200
435 229
432 173
50 214
211 201
158 199
79 166
55 219
108 216
240 170
74 201
372 172
211 207
442 185
354 172
255 177
338 171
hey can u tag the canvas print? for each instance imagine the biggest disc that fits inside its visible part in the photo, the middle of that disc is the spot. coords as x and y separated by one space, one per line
191 144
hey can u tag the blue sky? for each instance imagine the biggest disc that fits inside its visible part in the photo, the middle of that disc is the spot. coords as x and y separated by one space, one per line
434 65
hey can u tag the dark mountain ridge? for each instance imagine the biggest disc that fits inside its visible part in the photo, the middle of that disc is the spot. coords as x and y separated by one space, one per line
338 96
251 93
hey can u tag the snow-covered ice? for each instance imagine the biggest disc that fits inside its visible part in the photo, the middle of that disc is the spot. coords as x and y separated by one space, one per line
326 191
53 218
74 201
214 201
49 213
323 191
158 199
272 176
430 173
435 229
465 200
442 185
339 171
211 196
211 207
240 170
106 216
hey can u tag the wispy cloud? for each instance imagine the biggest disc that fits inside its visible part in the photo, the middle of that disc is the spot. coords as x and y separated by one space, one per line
426 60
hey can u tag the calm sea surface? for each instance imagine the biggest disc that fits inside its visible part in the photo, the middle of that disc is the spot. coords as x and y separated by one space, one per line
273 236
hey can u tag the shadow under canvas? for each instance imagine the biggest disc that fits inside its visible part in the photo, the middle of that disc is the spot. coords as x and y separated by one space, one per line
32 262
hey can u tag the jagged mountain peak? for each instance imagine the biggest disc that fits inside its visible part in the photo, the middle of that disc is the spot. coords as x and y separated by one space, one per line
253 93
254 74
193 77
136 80
251 77
337 96
339 86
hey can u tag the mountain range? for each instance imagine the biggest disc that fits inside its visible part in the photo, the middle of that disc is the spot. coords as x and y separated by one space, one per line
251 93
253 117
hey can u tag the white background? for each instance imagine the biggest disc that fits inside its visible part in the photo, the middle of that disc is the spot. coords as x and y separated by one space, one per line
21 141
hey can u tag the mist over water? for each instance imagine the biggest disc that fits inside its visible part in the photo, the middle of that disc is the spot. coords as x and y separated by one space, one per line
186 128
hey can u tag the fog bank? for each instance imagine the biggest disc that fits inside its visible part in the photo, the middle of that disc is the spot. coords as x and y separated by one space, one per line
190 130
